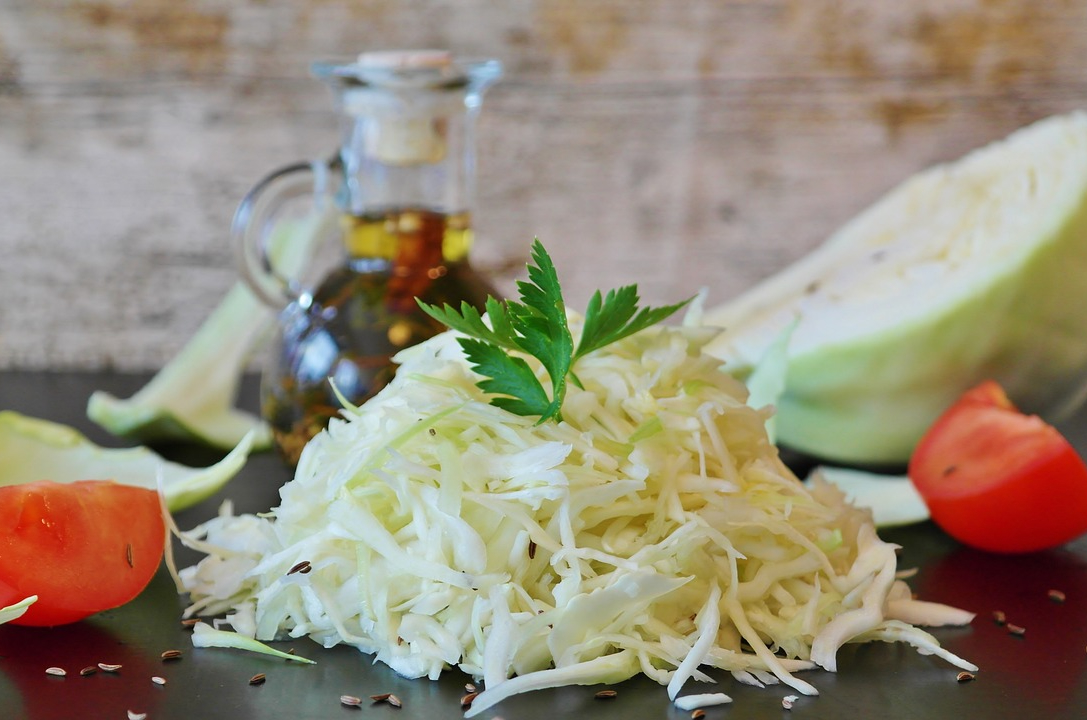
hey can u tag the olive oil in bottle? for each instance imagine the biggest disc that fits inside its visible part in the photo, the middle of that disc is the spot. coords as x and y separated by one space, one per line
402 185
363 314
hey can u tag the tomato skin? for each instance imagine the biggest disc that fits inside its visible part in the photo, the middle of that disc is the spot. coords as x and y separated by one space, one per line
81 547
999 480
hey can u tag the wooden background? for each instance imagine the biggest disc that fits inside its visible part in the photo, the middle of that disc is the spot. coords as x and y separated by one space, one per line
673 143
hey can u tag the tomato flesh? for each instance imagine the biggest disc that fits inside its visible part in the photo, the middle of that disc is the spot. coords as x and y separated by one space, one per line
1000 480
81 547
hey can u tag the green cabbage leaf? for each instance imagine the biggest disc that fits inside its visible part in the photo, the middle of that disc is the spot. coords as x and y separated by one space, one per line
35 449
192 397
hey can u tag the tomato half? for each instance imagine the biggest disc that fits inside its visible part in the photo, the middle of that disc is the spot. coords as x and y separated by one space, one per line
1000 480
81 547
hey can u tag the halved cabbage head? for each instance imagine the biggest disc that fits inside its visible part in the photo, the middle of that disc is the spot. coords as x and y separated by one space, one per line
35 449
971 270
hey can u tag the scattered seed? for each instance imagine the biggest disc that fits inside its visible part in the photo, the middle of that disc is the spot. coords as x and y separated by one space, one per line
606 694
133 715
698 714
290 651
258 679
999 618
432 432
171 655
350 700
1056 596
466 701
387 698
1016 630
531 550
128 555
108 667
158 680
59 672
469 687
964 676
89 670
302 567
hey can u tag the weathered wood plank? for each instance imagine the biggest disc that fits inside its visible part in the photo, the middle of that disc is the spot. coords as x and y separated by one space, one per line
675 144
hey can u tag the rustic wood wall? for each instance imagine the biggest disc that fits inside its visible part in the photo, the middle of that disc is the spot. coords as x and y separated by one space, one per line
672 143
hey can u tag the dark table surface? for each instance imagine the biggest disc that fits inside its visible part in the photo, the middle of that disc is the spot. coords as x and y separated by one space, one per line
1042 674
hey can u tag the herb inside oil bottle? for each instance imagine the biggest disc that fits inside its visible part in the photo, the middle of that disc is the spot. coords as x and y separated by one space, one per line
363 314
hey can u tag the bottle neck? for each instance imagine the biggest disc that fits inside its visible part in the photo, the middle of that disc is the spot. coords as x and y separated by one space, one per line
417 157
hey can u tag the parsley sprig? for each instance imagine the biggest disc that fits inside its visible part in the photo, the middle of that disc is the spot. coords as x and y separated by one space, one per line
537 326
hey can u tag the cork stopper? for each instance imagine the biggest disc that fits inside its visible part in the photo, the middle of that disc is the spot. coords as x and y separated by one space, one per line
409 130
401 59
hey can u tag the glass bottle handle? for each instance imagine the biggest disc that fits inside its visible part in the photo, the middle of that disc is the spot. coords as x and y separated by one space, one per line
271 262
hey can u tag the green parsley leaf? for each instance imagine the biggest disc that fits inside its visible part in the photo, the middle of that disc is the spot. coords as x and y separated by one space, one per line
609 319
468 321
537 326
508 375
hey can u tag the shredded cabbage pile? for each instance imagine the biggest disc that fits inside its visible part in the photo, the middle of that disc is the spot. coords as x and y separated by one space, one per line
655 530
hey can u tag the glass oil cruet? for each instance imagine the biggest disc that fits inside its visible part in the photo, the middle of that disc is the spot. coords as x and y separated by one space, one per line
399 194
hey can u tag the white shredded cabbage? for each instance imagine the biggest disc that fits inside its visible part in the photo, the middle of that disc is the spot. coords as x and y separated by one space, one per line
16 610
205 636
655 530
694 702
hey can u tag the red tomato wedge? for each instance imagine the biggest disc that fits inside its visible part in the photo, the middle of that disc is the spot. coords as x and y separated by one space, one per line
81 547
1000 480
